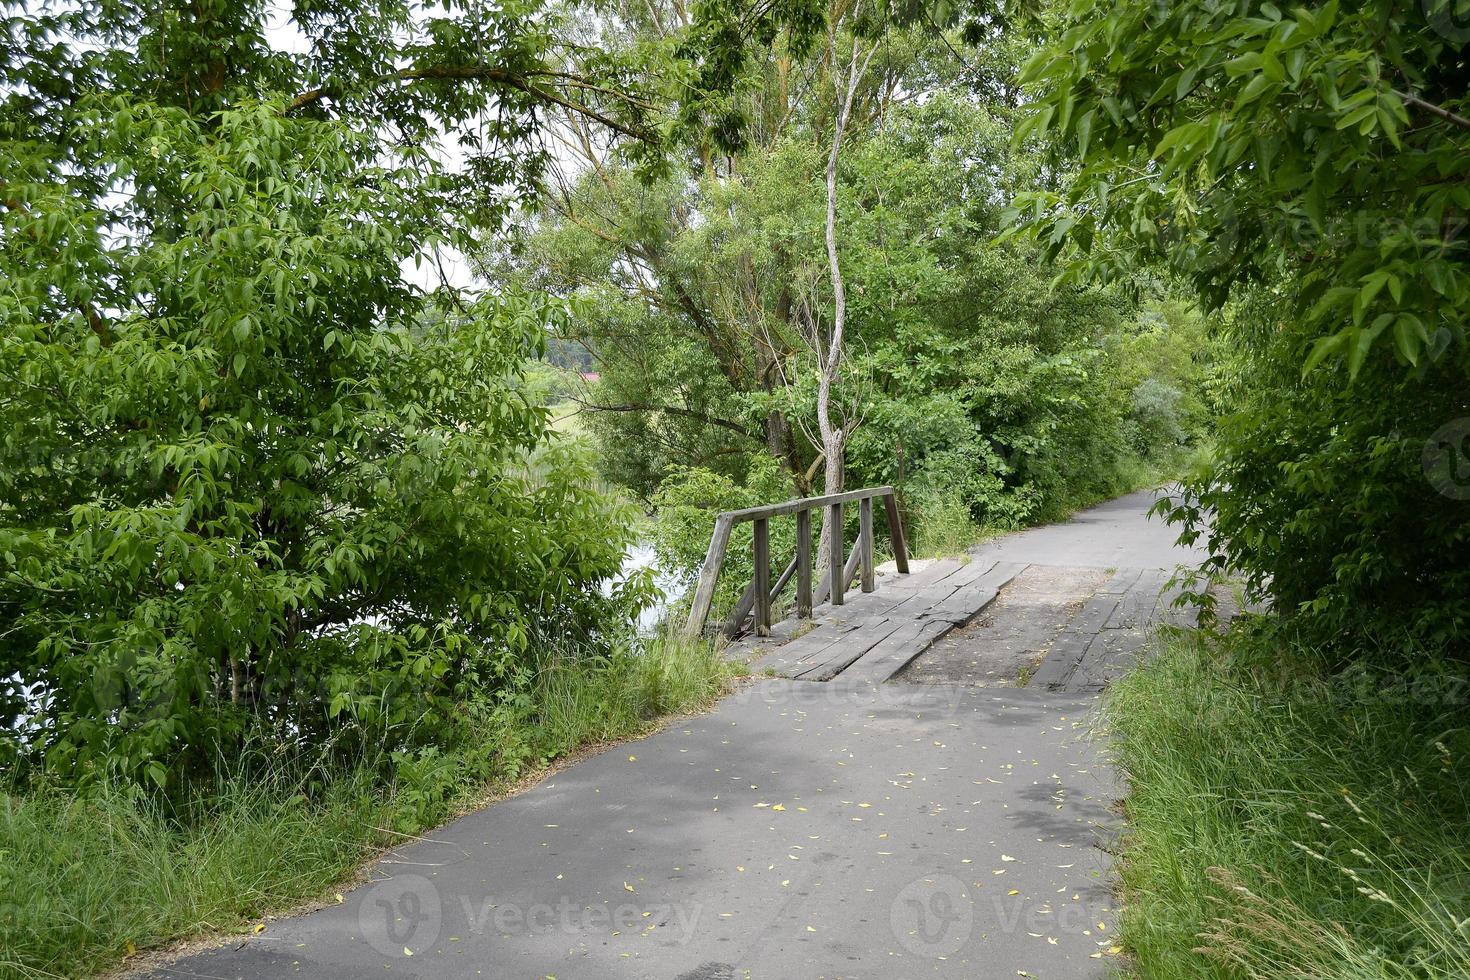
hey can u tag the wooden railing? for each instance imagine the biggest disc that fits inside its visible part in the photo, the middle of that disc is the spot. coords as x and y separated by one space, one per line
760 594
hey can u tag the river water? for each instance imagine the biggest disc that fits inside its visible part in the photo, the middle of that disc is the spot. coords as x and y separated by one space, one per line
670 586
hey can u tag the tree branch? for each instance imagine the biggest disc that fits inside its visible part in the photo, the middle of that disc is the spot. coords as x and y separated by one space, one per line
674 410
497 76
1433 110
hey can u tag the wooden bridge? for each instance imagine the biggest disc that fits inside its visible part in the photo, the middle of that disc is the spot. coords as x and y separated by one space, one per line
759 594
900 614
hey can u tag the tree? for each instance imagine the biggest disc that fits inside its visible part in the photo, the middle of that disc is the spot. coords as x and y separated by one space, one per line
1306 170
983 391
253 481
728 281
830 351
1237 144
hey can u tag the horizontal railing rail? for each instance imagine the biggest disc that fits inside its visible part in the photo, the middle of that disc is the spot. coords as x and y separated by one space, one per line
759 595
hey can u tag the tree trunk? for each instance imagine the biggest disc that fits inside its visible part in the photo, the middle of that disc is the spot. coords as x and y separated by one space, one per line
834 435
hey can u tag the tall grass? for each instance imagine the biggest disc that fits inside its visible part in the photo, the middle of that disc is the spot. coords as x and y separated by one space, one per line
86 879
942 526
1284 823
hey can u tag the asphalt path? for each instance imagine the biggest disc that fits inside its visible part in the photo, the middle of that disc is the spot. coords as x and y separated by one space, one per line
798 830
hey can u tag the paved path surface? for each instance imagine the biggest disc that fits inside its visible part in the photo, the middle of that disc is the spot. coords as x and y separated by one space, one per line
837 828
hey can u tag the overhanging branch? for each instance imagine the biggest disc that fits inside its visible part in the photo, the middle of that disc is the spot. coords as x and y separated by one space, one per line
673 410
497 76
1433 109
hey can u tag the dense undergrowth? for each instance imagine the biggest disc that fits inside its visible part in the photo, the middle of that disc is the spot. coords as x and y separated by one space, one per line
1286 821
90 877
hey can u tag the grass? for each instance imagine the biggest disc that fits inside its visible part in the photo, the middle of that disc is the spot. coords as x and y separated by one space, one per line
1285 823
86 880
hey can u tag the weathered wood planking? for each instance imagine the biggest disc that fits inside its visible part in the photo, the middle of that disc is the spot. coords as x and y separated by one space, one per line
875 634
1111 632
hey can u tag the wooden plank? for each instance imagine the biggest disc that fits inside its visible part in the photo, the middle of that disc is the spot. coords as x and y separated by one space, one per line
904 594
966 602
897 650
735 622
865 541
1095 615
1060 661
1139 602
761 552
1088 674
1169 614
783 579
850 567
836 658
895 533
709 574
804 564
804 503
933 593
1123 579
913 632
809 649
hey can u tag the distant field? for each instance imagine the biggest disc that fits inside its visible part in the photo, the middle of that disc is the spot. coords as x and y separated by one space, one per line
566 418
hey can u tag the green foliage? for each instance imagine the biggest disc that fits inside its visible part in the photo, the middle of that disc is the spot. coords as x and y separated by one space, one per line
1319 494
1304 169
87 875
940 523
974 382
1237 142
687 501
1284 822
253 481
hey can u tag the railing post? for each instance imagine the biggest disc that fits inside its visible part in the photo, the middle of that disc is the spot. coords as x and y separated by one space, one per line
761 552
804 564
865 541
709 574
834 558
895 533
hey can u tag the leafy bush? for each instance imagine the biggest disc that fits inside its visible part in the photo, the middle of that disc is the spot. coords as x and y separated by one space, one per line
1339 500
687 502
1307 178
257 494
939 524
1156 415
972 376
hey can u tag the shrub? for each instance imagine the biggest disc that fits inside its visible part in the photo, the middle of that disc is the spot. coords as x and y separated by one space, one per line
1345 503
263 496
